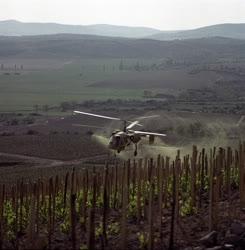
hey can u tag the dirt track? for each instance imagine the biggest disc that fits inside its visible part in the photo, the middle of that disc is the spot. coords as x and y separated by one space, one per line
45 163
14 166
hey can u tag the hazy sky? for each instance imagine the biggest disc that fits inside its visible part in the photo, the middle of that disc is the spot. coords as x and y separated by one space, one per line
162 14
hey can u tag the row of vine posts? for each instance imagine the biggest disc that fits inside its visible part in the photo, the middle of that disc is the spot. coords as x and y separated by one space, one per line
103 207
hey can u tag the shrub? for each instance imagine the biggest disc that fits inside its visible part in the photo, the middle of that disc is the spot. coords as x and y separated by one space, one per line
32 132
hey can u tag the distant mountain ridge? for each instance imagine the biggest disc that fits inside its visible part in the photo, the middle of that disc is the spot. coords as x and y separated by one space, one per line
229 30
16 28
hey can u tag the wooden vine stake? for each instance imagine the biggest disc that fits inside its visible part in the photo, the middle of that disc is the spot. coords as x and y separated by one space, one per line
150 218
21 205
176 174
216 195
73 210
211 197
160 196
139 176
50 228
242 175
65 189
16 227
166 182
73 220
105 208
193 177
172 228
2 197
115 197
202 177
85 197
124 243
32 220
91 226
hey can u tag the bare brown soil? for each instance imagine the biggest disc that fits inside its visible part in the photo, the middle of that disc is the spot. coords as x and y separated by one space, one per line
52 144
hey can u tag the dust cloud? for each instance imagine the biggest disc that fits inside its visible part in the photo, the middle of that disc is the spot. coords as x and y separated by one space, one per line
183 131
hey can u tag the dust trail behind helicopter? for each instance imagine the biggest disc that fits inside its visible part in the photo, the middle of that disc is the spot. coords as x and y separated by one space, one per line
183 131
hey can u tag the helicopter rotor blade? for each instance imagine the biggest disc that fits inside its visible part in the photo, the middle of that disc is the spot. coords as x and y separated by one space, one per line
146 117
106 117
133 124
144 133
86 126
136 123
95 115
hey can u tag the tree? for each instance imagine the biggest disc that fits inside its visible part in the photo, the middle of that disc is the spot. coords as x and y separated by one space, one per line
36 108
153 66
45 108
169 62
147 93
137 66
121 66
73 104
64 106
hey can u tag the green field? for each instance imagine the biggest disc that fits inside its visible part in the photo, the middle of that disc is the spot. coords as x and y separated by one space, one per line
97 79
53 86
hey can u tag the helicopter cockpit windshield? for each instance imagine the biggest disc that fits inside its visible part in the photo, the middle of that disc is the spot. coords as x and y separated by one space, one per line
114 142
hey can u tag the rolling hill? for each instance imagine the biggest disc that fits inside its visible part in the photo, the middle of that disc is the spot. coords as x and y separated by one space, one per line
88 46
16 28
236 31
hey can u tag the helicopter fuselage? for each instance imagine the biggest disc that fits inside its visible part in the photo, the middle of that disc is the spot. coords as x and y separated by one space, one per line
120 139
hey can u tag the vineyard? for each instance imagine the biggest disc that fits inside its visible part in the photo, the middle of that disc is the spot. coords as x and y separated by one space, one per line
150 204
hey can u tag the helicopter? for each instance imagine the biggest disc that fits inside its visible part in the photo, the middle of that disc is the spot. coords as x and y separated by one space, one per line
120 139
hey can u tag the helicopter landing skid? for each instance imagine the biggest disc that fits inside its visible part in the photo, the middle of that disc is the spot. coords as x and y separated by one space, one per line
136 149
